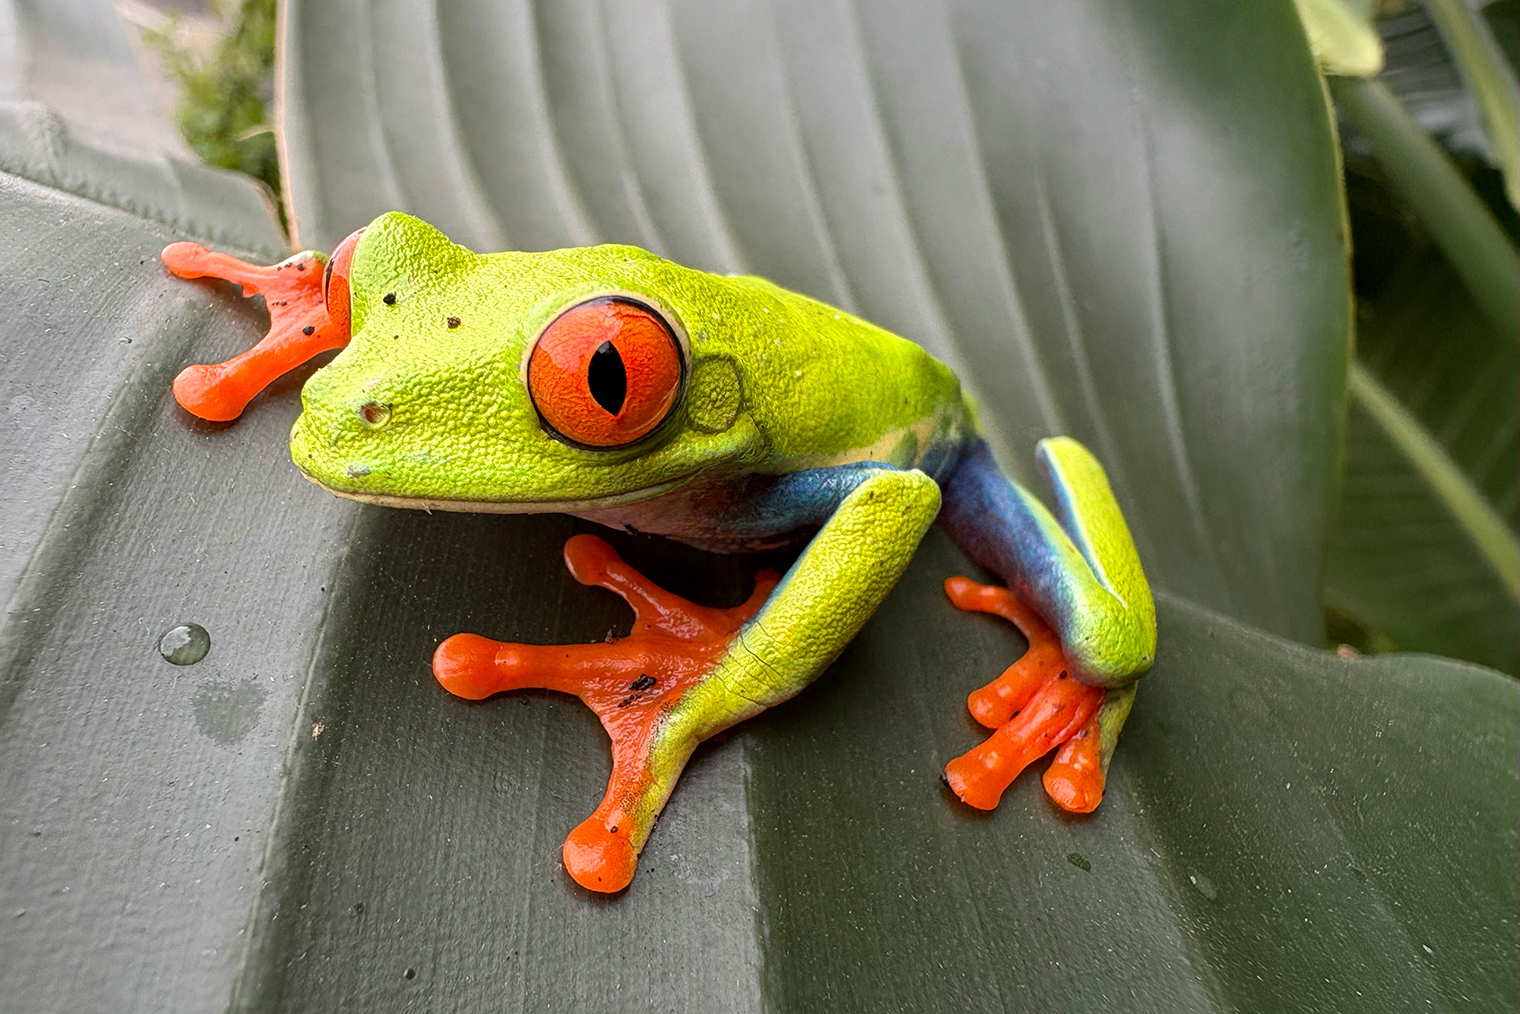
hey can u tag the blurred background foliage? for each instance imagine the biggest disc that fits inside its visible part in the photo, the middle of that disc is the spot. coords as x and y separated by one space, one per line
220 60
1424 554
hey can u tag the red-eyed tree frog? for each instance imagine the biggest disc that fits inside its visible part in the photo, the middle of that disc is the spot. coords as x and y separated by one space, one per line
725 412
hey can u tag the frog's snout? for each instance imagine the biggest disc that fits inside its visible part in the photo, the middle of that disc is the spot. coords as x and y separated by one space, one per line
334 441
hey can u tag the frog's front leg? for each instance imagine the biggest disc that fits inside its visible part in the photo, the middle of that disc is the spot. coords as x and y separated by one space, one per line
1091 631
307 298
687 672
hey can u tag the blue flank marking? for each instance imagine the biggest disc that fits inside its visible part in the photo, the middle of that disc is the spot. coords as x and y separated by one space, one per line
775 505
798 500
990 518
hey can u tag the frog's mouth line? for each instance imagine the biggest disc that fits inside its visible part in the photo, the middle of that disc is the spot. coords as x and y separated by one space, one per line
509 507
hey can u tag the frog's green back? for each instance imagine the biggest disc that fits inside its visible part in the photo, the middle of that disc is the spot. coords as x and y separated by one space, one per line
835 388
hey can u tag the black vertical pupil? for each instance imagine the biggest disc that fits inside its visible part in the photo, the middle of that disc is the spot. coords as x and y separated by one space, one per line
607 378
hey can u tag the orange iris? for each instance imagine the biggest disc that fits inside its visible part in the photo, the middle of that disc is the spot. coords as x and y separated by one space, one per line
605 372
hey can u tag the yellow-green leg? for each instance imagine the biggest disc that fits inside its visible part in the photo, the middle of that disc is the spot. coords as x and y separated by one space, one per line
687 672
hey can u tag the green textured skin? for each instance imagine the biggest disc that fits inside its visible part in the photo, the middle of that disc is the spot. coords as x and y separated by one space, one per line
1113 639
849 567
776 381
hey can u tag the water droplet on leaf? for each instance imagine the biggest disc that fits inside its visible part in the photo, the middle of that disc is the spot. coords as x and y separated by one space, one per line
185 644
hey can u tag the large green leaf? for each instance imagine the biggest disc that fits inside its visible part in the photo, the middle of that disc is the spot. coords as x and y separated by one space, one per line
305 818
1068 204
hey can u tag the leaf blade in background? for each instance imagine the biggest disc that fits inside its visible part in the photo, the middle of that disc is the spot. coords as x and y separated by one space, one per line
1456 217
1466 504
72 58
1401 562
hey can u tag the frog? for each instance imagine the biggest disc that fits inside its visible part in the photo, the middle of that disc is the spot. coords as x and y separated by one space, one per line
721 411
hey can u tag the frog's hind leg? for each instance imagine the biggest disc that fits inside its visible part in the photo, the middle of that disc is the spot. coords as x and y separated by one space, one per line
1077 592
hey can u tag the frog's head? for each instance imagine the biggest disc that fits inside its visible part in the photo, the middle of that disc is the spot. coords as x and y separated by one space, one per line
519 382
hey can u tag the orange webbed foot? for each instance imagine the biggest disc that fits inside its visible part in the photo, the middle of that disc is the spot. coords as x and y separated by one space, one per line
1034 706
304 320
631 683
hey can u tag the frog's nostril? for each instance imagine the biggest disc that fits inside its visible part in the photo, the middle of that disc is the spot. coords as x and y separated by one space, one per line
375 414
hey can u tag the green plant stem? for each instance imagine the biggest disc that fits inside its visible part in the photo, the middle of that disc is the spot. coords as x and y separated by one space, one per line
1466 503
1489 80
1456 217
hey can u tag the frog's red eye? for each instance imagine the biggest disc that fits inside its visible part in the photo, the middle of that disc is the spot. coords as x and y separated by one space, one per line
335 288
605 372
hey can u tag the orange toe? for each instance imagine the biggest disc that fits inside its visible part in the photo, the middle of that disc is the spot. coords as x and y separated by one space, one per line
1075 778
600 858
466 666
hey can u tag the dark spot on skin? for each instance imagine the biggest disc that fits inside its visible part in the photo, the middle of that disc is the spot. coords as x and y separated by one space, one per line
612 829
389 299
628 700
644 682
453 322
1062 676
281 302
308 330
